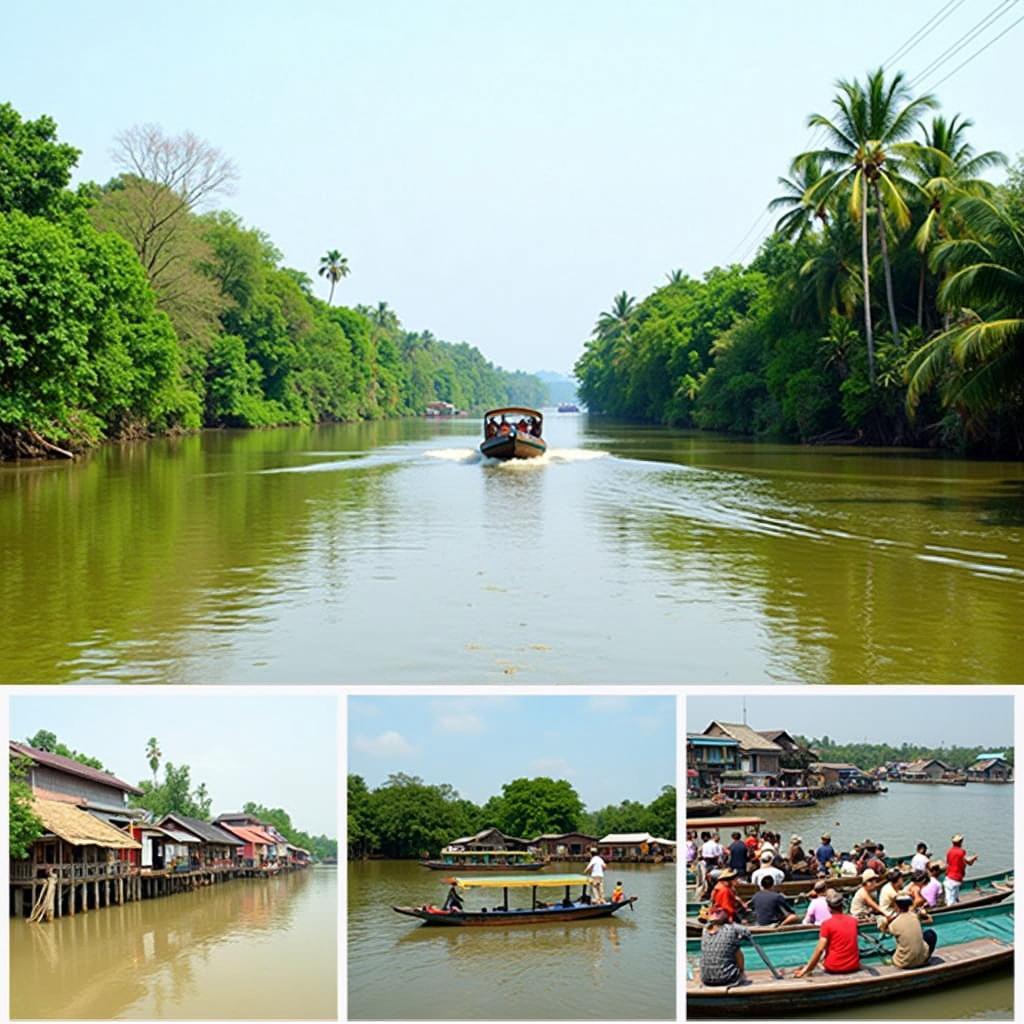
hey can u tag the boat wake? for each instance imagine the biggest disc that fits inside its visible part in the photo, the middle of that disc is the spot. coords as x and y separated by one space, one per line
472 456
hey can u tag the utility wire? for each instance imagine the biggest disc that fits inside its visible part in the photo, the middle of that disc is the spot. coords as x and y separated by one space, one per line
925 30
978 52
993 16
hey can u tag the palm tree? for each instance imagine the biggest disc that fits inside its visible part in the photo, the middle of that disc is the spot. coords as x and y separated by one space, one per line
863 156
153 755
830 278
945 165
615 321
985 286
383 316
334 267
675 277
800 215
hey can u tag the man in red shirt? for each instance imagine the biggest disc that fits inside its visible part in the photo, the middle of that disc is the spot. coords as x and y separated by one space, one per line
837 940
724 897
957 862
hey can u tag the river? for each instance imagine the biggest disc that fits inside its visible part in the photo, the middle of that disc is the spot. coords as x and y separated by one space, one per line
387 552
618 968
248 949
901 818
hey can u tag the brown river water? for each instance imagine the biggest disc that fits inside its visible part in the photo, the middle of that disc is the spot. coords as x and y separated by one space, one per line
387 552
248 949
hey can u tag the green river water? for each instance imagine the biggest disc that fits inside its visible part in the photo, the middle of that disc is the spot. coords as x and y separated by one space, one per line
618 968
387 552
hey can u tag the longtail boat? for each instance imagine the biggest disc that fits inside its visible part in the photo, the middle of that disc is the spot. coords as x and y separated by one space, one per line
518 435
538 912
484 860
974 892
969 942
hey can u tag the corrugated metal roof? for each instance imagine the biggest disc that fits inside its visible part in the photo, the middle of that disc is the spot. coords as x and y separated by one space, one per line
628 838
203 829
79 828
72 767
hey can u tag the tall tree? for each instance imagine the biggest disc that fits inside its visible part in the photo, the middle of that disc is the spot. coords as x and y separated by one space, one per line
334 267
153 755
34 167
799 214
23 824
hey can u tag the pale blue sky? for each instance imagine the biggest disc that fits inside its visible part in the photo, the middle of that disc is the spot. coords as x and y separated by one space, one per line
277 751
610 748
928 717
495 172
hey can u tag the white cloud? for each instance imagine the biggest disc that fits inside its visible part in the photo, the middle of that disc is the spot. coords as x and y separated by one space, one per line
465 723
387 744
556 767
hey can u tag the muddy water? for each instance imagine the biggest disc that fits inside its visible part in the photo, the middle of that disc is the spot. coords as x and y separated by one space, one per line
248 949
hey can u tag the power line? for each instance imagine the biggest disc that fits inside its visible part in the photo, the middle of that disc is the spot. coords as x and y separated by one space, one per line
975 30
978 52
925 30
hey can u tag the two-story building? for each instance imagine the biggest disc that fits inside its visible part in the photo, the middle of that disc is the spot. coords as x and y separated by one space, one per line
759 757
709 758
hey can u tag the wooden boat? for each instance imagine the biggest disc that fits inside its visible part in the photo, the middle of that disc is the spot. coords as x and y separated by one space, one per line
565 910
512 443
982 891
769 796
459 861
568 407
969 942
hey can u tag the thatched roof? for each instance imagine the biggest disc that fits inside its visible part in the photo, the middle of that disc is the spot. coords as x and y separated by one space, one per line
80 828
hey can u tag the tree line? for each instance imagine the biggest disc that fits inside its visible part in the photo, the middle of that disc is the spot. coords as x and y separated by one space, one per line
876 755
887 307
174 793
407 817
135 307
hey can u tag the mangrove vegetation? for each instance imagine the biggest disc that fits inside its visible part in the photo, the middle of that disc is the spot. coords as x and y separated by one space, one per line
138 307
887 306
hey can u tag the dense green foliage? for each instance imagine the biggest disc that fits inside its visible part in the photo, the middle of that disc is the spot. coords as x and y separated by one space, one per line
174 795
46 740
124 310
790 344
322 847
407 817
875 755
23 825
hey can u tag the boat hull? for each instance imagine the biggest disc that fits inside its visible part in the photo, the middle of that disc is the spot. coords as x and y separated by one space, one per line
505 918
513 446
460 869
764 996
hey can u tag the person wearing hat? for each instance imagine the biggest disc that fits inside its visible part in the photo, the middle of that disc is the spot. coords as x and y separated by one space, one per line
863 903
914 946
767 868
796 856
837 941
595 869
957 863
724 896
817 908
721 958
825 853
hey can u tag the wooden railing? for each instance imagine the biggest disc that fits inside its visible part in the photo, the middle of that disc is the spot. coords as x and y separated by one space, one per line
25 871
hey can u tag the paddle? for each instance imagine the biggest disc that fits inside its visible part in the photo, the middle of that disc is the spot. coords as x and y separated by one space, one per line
877 943
776 973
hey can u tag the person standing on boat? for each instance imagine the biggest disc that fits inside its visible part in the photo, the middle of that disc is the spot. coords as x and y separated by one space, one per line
595 869
738 855
914 945
957 863
825 853
837 941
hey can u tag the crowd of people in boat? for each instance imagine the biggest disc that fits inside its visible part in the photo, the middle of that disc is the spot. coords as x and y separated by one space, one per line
526 425
897 901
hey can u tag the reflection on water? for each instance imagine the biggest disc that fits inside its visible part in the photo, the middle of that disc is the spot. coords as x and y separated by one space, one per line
625 553
622 967
245 949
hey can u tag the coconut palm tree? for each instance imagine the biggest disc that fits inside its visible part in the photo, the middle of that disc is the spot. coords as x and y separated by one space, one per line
675 277
984 290
153 755
945 165
865 147
334 267
800 215
615 321
830 278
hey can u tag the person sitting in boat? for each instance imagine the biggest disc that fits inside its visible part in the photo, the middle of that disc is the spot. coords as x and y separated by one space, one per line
869 859
767 868
797 857
890 890
504 427
771 907
724 896
618 893
522 426
931 891
721 958
817 909
847 866
864 904
535 427
914 945
826 851
920 860
453 901
918 880
490 428
837 941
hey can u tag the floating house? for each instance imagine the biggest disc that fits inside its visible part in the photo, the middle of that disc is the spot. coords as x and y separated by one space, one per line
565 845
636 846
990 768
488 839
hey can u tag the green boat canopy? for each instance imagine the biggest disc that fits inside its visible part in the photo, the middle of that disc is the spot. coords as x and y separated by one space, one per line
520 882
